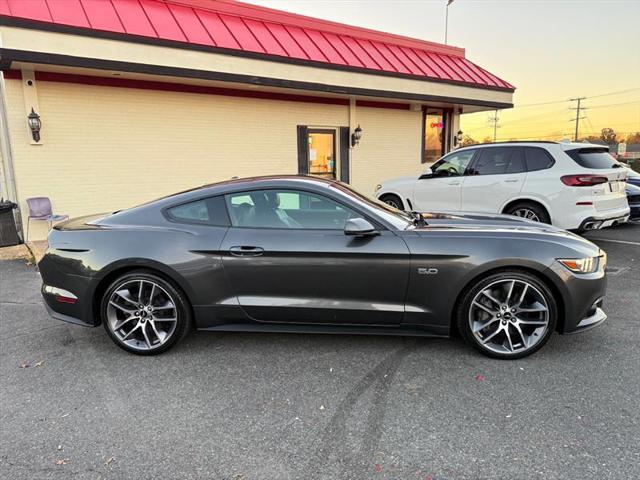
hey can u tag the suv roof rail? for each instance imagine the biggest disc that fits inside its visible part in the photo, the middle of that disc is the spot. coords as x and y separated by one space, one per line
512 141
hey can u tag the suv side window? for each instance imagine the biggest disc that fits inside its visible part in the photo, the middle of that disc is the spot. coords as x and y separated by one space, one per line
286 209
453 165
498 161
538 159
206 211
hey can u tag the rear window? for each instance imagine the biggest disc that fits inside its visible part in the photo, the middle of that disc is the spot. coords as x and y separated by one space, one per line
597 158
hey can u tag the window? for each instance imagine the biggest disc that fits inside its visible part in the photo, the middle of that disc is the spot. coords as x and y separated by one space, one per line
597 158
286 209
322 153
435 123
538 159
208 211
453 165
498 161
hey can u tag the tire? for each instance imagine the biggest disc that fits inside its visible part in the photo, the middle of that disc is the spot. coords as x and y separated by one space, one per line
146 324
485 323
530 211
392 200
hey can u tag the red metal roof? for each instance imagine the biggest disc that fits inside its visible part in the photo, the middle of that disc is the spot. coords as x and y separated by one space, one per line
227 24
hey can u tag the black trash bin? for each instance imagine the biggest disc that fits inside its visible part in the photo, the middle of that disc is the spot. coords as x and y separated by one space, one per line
8 231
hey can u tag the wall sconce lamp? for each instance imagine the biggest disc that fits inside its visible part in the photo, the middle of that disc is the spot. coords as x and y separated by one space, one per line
458 138
35 124
356 136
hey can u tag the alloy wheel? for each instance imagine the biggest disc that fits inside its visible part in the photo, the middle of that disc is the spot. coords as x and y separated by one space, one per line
141 314
509 316
392 203
526 213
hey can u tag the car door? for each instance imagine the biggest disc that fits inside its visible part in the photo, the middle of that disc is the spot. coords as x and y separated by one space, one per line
496 175
439 191
288 260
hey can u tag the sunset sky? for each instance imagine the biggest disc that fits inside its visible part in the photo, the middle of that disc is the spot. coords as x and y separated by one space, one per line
551 50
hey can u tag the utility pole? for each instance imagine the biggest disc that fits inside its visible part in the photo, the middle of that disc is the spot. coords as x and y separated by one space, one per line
577 108
446 21
494 121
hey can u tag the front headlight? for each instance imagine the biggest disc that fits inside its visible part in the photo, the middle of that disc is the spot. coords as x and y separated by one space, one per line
585 265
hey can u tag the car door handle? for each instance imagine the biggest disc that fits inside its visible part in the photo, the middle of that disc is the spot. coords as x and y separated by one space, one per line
511 180
454 182
246 251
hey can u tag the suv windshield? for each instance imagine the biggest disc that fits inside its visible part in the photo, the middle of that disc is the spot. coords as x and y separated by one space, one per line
597 158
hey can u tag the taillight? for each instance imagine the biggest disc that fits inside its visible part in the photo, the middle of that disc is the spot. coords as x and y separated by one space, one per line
583 180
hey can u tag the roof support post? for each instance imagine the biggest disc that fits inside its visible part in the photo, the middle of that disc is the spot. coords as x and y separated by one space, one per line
9 191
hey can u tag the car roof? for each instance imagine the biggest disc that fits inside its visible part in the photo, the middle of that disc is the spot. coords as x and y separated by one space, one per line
264 181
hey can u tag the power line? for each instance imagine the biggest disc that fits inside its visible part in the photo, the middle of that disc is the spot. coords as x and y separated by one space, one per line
551 102
616 104
614 93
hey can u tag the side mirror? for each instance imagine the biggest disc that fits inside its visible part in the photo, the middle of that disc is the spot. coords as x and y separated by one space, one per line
359 227
428 173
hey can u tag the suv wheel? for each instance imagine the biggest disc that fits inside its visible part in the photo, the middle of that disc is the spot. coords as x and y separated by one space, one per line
507 315
530 211
392 200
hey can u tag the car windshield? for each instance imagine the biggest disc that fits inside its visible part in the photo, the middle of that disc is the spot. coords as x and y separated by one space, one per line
397 218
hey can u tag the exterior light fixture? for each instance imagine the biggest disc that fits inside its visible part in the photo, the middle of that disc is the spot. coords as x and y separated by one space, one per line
458 138
356 136
35 124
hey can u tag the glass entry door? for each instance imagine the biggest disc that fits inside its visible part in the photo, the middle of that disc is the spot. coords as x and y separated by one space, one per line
434 135
322 153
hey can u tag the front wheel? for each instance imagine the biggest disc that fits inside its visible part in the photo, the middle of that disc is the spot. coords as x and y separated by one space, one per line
144 314
507 315
392 200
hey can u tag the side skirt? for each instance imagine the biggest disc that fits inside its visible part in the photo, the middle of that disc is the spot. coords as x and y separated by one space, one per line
440 332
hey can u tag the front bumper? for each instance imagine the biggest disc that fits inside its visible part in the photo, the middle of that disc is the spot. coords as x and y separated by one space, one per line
582 297
594 317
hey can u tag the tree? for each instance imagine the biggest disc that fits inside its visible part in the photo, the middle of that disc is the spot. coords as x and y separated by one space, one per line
608 136
467 140
590 139
633 138
487 140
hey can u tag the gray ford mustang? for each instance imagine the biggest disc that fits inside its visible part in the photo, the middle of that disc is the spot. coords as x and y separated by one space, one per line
301 254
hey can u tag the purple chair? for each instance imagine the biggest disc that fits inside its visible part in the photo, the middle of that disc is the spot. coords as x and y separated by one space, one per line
40 209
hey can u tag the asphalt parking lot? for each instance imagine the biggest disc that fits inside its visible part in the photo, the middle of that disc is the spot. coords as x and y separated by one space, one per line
283 406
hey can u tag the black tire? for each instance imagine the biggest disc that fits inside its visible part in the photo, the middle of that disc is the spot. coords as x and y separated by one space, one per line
392 200
182 310
464 312
539 211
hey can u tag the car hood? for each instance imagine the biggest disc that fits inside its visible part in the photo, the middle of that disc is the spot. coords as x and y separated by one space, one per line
399 180
484 221
471 222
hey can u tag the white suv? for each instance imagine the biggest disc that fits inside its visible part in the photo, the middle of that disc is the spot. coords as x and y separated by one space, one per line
575 186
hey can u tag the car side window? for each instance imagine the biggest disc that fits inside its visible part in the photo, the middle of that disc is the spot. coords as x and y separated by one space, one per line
206 211
453 165
498 161
538 159
291 209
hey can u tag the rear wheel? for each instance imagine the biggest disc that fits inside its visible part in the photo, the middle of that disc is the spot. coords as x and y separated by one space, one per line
507 315
530 211
144 314
392 200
